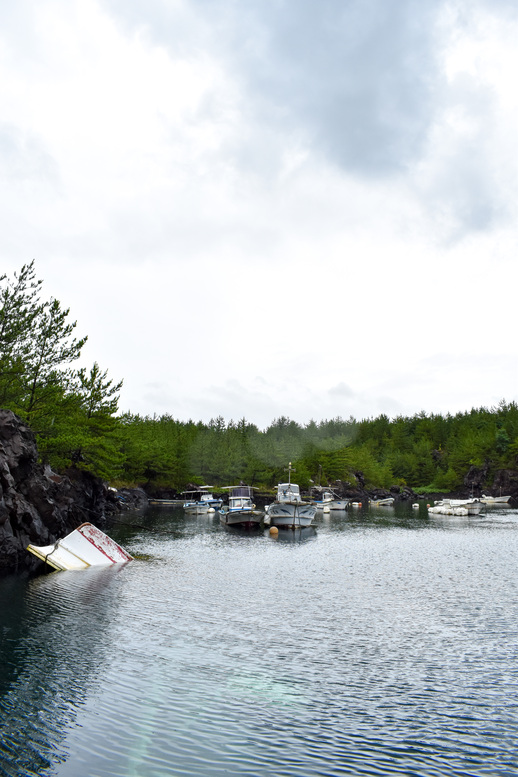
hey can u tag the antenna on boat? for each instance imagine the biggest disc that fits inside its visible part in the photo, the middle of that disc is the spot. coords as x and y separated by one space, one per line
289 470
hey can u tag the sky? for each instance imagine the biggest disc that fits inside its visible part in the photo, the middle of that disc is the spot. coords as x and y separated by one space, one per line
265 208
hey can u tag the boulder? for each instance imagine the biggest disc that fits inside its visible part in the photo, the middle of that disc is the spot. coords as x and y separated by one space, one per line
475 478
505 483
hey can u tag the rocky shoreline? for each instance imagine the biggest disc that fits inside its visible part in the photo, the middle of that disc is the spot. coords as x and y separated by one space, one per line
39 506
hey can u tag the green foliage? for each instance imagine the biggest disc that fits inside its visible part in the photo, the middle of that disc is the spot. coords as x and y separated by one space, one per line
425 452
74 414
71 412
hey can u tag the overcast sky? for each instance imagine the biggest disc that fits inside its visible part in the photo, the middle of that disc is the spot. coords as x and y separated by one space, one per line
271 207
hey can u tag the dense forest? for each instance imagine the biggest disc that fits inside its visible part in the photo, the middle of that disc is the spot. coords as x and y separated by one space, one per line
75 416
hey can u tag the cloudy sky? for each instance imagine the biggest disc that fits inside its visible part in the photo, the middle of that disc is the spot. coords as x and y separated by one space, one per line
271 207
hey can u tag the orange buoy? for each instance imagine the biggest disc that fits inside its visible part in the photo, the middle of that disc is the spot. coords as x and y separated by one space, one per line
274 531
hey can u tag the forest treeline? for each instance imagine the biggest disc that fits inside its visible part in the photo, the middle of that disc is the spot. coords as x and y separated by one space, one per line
75 416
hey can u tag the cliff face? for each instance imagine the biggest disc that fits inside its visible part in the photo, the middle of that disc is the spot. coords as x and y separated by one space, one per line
36 505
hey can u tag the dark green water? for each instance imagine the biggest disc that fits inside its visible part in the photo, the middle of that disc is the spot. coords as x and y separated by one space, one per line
381 643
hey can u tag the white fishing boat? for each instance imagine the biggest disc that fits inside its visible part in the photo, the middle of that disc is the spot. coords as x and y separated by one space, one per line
494 500
201 501
384 502
456 507
323 504
329 501
240 510
289 509
194 506
207 497
87 546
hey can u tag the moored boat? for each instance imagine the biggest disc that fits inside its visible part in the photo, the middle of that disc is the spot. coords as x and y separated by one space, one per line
166 502
323 504
87 546
240 510
329 501
494 500
456 507
386 502
289 510
201 501
194 506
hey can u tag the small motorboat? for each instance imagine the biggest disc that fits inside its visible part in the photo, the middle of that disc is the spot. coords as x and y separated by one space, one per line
329 501
87 546
201 501
456 507
241 509
494 500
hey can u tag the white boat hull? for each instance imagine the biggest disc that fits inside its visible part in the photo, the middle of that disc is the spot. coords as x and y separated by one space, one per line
339 504
240 517
196 509
331 504
494 500
322 507
87 546
290 515
457 507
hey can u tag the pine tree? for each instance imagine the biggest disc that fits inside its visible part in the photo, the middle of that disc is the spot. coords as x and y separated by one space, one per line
19 308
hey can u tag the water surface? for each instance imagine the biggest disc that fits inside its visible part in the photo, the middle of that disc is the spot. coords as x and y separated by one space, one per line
382 642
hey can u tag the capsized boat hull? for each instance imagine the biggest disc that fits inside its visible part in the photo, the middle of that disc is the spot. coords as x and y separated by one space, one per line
87 546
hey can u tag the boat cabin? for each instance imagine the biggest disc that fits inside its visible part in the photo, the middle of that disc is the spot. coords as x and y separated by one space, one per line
288 492
240 497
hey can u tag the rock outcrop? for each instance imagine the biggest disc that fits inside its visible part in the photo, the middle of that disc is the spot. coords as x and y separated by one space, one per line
505 483
37 505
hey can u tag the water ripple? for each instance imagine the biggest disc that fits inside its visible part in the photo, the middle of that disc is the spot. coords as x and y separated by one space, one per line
379 646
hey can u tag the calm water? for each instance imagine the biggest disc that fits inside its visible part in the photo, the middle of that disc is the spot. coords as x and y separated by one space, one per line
381 643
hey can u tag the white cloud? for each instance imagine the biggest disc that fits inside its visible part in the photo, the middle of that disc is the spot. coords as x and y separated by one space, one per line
263 212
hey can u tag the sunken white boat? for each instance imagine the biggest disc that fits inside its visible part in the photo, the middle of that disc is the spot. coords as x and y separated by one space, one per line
87 546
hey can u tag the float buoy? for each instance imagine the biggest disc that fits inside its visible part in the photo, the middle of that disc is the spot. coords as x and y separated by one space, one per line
274 531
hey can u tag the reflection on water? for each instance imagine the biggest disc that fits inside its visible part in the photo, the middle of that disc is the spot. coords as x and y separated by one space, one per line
52 646
298 534
381 642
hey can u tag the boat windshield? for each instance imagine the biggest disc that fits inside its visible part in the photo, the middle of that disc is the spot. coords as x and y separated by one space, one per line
241 491
288 492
